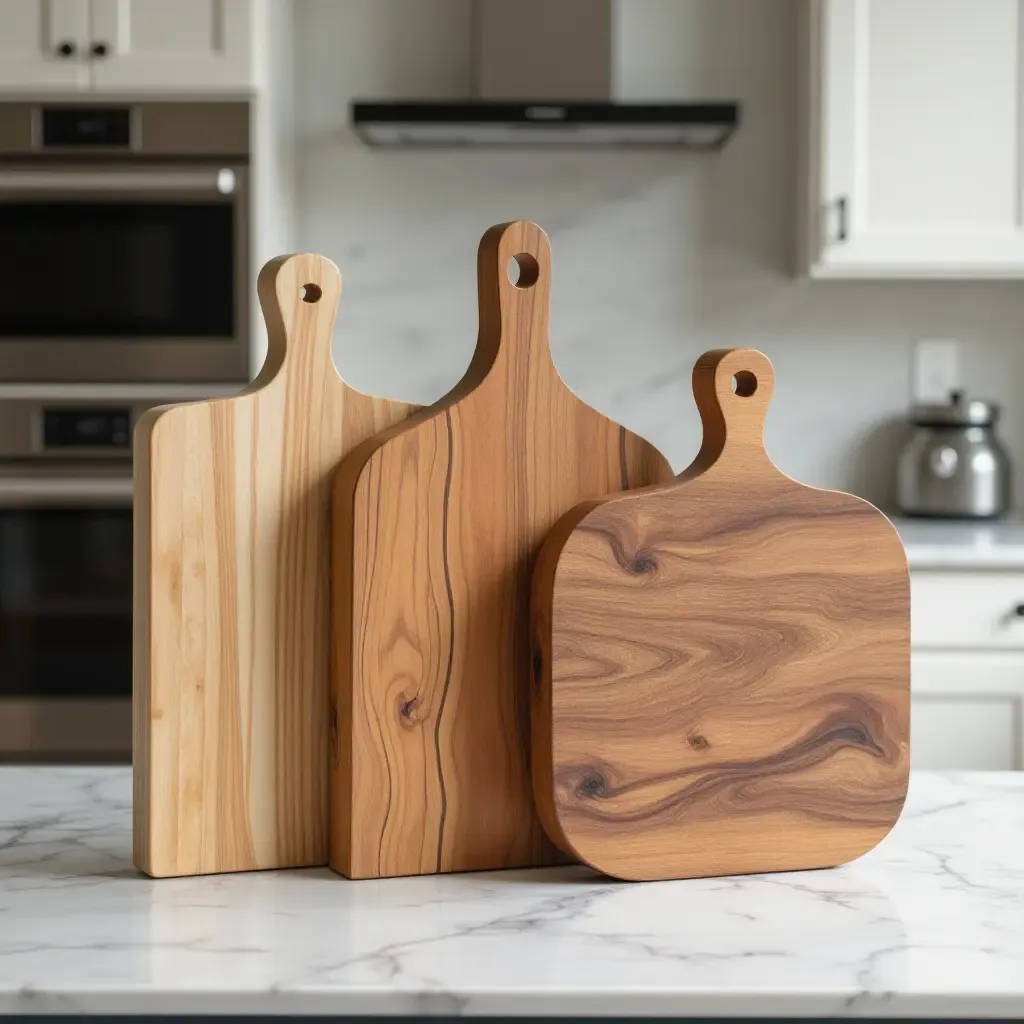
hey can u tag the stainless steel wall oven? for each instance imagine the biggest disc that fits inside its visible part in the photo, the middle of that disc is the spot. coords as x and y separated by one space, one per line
124 283
66 566
125 242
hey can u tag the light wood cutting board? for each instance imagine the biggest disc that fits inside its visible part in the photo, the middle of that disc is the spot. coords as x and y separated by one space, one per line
231 597
436 524
723 662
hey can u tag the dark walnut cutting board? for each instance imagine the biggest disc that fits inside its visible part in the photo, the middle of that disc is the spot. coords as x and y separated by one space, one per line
722 663
231 592
436 525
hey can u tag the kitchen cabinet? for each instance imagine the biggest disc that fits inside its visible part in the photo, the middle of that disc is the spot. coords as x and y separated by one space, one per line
968 610
41 45
127 46
156 45
967 670
951 733
914 152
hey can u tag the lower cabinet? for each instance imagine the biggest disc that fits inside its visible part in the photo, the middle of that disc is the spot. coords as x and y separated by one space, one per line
965 733
967 670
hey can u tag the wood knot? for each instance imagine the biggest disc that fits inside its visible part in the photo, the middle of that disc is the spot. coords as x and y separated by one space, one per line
642 564
407 710
630 553
698 742
591 785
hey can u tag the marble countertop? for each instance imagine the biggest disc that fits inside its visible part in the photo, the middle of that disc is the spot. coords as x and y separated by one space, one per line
962 544
929 924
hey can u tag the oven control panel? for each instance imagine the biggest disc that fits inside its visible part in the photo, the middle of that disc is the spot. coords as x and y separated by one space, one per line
79 126
51 424
86 428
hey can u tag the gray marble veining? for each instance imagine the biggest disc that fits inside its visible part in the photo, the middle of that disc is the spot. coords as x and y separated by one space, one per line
930 924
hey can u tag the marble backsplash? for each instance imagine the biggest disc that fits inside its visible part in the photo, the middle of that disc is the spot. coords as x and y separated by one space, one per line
657 255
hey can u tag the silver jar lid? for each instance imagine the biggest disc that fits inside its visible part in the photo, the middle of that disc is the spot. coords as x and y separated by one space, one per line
959 411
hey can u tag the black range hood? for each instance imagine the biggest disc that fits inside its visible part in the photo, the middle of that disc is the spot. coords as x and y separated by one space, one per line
704 125
553 73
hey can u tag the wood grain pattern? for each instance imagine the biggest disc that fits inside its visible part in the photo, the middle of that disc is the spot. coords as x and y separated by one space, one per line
722 663
231 590
436 525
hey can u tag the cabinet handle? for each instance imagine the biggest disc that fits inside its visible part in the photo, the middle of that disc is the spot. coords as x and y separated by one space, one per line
66 48
842 231
99 49
1019 610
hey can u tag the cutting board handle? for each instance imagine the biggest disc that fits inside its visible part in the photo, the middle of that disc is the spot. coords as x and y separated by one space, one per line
299 297
733 388
513 316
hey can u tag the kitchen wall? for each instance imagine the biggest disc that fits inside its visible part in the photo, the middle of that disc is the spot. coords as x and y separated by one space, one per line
657 256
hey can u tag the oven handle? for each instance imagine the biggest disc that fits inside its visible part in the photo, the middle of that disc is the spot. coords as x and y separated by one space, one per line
64 492
221 181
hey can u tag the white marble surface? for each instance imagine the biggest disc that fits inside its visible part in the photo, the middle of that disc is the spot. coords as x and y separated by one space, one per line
952 544
930 924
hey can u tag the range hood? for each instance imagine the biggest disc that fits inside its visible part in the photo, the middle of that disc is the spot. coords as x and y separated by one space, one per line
503 123
544 74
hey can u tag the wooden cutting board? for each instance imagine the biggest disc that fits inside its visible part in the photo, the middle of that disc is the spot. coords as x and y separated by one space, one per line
436 526
231 590
723 662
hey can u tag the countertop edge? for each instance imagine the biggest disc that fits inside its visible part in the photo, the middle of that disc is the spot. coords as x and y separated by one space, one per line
442 1003
962 545
934 561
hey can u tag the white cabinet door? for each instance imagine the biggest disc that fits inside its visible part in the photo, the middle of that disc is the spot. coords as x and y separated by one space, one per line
43 45
916 142
965 734
157 45
981 610
967 709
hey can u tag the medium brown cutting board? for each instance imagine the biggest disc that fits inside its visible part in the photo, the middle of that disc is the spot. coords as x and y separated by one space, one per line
722 663
436 524
231 589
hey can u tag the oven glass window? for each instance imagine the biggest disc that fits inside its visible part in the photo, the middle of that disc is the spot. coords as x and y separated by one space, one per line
65 602
110 270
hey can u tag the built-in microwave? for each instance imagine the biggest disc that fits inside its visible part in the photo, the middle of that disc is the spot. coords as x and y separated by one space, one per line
125 252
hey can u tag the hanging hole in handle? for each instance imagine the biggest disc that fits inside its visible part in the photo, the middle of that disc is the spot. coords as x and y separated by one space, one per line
744 383
523 270
310 293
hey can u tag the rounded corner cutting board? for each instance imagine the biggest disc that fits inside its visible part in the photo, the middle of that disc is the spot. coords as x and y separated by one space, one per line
723 662
436 526
231 692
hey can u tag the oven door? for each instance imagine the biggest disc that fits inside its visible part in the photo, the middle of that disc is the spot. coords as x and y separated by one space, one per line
65 614
115 273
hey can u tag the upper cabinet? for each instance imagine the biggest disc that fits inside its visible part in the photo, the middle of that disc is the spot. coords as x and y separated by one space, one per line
42 43
126 46
915 164
157 45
